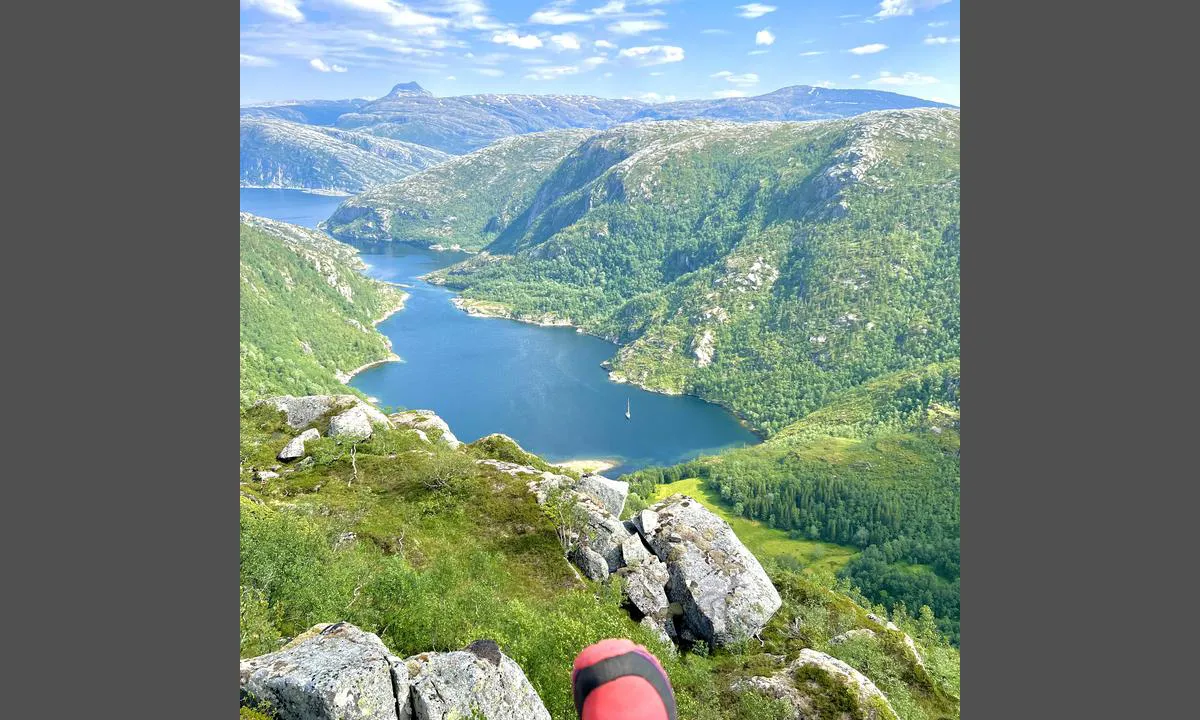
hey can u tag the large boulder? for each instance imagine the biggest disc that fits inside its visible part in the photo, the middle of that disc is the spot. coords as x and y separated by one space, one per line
602 531
425 420
353 424
590 562
821 687
610 494
725 594
306 409
294 450
331 672
477 682
645 586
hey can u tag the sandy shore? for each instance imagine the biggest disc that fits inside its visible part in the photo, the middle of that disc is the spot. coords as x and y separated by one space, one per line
588 466
347 377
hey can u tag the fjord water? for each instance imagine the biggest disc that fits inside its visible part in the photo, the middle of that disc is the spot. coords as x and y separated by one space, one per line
543 386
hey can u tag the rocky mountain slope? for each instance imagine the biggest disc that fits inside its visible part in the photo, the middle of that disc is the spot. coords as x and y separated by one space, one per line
387 572
307 312
285 154
466 201
468 122
797 102
765 266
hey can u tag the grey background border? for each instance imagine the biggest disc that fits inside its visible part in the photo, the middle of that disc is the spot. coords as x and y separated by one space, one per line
121 299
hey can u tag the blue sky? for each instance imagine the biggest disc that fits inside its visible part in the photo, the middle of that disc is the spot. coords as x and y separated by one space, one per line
653 50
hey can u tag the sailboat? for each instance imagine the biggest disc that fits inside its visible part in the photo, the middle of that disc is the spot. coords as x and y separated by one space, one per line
627 417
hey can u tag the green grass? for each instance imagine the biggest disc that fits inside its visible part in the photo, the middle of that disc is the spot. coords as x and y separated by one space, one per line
765 542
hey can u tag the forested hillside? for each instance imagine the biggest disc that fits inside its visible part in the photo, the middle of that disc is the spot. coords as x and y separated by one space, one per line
765 266
307 313
877 469
465 201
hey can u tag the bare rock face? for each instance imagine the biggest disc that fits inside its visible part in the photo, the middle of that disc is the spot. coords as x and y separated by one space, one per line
331 672
811 684
591 563
610 494
425 420
305 409
353 424
477 682
339 672
294 450
645 586
725 594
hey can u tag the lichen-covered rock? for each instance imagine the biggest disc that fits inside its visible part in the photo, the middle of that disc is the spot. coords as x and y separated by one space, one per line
811 684
265 475
353 424
659 628
477 682
604 532
305 409
645 586
646 522
851 635
425 420
294 450
610 494
591 563
725 594
330 672
634 552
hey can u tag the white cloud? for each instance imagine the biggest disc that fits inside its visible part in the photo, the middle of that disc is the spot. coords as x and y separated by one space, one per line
735 79
594 61
552 72
605 45
812 53
855 76
940 40
764 37
939 23
652 55
394 13
754 10
554 17
286 9
823 84
319 64
869 49
525 42
714 31
898 8
255 61
729 93
565 41
614 7
635 27
908 78
758 52
451 77
490 72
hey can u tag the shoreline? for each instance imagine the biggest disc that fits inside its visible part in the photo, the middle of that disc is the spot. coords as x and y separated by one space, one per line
345 378
483 312
312 191
588 466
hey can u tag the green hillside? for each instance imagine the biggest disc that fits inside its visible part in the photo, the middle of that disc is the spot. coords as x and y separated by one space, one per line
876 469
465 201
428 566
307 313
764 266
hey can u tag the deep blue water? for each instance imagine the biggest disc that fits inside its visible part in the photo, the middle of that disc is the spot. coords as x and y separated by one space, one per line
542 386
293 206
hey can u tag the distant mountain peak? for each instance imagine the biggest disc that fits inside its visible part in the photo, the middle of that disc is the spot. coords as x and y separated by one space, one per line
409 88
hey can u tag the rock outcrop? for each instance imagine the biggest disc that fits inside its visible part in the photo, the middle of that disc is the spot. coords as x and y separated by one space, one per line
592 563
353 424
811 685
610 494
725 594
477 682
294 450
339 672
425 420
331 672
306 409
